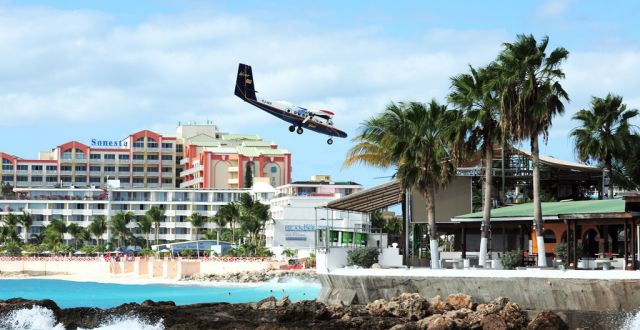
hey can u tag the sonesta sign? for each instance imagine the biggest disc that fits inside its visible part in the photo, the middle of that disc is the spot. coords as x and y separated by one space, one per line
108 143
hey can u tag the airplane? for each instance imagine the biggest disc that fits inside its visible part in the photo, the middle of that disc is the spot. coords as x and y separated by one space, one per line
320 121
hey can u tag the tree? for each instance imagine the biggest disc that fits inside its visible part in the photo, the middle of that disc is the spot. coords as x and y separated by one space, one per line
145 224
10 221
26 221
413 138
54 232
118 226
221 221
530 96
231 212
604 132
197 221
253 216
6 189
77 232
98 227
248 175
475 96
156 214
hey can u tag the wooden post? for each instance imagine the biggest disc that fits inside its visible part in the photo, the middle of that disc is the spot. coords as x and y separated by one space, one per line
464 242
626 244
575 244
568 244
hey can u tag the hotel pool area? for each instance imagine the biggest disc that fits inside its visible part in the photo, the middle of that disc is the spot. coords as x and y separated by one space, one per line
105 295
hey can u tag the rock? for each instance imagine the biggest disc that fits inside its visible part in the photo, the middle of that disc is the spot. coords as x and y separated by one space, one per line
492 307
151 303
283 302
376 266
547 320
514 316
438 306
493 322
405 326
407 305
460 300
458 314
377 307
436 322
267 303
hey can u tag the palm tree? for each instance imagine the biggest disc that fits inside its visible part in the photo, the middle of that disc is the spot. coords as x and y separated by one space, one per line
221 221
10 222
530 96
156 214
197 221
254 215
604 133
145 224
413 138
26 221
77 232
98 227
472 93
54 232
231 213
118 225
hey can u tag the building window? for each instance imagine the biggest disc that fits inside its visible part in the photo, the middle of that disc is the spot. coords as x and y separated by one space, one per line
152 180
152 157
178 147
94 168
80 155
36 167
167 180
52 168
65 168
66 155
66 179
36 179
23 167
81 168
5 161
95 179
81 179
138 180
152 169
123 157
138 157
151 143
22 178
167 170
52 179
110 156
109 168
6 167
7 178
167 145
95 156
123 169
274 169
167 157
138 169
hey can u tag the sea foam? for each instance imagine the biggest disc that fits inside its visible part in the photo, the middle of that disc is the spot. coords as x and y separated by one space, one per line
632 321
38 318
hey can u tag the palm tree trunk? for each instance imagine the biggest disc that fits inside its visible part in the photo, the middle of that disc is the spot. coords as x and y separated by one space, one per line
610 169
157 225
197 243
486 207
233 231
218 230
537 204
433 232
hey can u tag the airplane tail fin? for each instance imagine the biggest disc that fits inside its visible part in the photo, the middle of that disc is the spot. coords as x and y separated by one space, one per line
245 88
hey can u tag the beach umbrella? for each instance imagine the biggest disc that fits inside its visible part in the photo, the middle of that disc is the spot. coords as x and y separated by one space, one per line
79 253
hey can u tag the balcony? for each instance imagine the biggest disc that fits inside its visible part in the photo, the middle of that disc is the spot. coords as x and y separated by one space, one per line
153 161
138 161
110 161
192 182
167 162
138 185
167 174
7 171
95 160
184 161
36 172
233 181
233 169
83 172
191 171
153 149
127 172
95 172
124 161
167 149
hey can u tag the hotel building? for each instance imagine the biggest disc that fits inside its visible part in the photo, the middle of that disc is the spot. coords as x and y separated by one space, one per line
197 156
296 215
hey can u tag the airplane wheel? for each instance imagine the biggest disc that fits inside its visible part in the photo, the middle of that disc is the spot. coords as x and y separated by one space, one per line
300 130
330 141
292 128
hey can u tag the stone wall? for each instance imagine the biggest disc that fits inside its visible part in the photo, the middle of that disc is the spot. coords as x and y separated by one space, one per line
533 293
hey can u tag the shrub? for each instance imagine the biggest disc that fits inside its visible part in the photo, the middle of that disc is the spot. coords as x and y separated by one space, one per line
290 253
363 257
186 253
512 259
561 251
12 249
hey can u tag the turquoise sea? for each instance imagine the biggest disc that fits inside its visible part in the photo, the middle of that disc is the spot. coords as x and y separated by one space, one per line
104 295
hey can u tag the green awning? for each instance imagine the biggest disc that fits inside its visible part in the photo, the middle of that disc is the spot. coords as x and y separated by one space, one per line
551 209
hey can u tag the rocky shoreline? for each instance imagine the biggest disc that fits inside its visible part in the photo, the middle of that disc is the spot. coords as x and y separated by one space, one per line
309 275
407 311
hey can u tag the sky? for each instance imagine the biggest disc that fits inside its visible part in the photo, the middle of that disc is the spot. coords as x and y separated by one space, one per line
77 70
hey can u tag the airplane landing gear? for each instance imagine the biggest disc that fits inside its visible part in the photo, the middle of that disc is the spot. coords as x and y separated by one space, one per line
330 141
299 130
292 128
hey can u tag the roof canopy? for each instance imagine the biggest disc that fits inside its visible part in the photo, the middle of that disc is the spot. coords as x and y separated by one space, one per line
371 199
551 210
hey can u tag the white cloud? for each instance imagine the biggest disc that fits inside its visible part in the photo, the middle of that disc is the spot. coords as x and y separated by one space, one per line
553 8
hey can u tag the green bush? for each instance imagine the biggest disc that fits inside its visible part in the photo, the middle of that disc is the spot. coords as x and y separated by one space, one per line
363 257
12 249
512 259
290 253
561 251
186 253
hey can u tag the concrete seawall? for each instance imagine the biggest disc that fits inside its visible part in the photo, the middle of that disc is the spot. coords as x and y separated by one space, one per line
618 292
